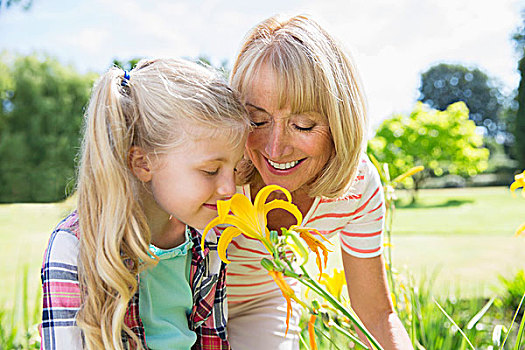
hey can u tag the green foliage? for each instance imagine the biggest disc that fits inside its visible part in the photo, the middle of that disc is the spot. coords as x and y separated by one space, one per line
441 141
7 4
519 130
514 289
18 324
41 112
127 65
444 84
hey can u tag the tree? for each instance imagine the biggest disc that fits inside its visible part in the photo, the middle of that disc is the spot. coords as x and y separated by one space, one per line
441 141
519 129
127 65
7 4
444 84
41 112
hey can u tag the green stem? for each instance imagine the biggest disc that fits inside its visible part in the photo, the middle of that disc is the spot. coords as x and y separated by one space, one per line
303 342
512 322
316 287
348 334
388 228
320 331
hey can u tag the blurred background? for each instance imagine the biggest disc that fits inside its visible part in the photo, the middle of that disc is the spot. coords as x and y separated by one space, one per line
445 82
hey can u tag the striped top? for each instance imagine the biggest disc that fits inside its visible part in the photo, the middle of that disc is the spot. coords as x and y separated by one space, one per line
357 217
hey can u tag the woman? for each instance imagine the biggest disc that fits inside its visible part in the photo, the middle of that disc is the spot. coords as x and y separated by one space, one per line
309 117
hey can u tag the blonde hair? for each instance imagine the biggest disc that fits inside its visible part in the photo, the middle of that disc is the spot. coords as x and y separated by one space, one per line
154 109
313 73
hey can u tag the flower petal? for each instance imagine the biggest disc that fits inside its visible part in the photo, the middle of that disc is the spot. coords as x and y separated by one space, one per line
245 227
211 224
306 230
297 248
263 194
260 200
243 208
311 332
289 207
410 172
223 207
287 292
514 186
520 229
226 237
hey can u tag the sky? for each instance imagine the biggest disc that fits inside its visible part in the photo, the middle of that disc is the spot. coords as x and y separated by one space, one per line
392 42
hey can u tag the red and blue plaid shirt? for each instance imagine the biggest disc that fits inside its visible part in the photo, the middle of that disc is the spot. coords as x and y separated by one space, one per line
61 294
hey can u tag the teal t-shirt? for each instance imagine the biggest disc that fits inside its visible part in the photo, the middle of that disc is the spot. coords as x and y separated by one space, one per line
166 299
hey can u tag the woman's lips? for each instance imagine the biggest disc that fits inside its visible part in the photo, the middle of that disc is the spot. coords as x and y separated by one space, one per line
285 171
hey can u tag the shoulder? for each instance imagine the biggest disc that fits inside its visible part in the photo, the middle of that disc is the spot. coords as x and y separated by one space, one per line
367 176
62 249
365 184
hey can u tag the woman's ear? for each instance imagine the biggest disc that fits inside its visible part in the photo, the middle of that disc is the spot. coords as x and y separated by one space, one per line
139 163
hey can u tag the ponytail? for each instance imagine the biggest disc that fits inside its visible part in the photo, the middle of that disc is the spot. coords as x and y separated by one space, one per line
112 223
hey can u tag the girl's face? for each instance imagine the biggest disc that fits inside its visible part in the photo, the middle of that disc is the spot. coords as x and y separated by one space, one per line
188 181
287 149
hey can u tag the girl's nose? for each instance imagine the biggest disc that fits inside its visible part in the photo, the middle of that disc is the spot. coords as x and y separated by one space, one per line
226 186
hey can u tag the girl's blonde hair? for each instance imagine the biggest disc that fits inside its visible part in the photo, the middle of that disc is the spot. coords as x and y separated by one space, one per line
313 73
155 109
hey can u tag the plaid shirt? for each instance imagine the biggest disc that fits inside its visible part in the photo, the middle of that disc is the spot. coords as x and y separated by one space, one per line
61 294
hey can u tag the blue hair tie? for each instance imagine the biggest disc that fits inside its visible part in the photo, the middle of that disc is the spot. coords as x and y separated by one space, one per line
125 79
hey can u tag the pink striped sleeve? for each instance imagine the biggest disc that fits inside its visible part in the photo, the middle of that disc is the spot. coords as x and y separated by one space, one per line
363 234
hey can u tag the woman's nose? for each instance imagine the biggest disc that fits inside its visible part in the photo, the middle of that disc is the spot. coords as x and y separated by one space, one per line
277 145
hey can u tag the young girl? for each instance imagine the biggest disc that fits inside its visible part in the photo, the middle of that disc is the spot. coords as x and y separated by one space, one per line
125 270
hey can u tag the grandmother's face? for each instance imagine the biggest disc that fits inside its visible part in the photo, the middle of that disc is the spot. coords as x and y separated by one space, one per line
288 150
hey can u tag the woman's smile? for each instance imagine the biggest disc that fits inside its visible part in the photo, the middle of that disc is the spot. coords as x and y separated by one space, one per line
283 168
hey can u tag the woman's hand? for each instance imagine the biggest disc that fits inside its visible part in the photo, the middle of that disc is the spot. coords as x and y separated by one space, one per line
370 298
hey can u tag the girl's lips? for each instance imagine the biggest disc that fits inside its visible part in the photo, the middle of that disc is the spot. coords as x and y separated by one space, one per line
210 206
282 172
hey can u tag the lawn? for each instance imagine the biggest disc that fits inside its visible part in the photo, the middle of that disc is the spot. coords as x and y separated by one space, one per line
466 234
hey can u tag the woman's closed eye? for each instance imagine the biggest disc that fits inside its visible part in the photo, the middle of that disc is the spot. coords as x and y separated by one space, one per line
303 128
258 124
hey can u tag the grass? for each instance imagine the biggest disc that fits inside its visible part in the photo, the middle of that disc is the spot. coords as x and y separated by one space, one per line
24 232
482 211
465 234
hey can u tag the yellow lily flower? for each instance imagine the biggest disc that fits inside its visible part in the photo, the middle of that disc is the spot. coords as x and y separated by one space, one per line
334 283
311 332
519 181
314 244
288 294
410 172
249 219
294 243
520 230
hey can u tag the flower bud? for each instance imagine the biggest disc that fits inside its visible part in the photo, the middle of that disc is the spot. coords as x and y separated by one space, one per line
274 237
268 264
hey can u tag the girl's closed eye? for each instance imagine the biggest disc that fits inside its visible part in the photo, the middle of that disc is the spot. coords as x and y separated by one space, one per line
210 172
